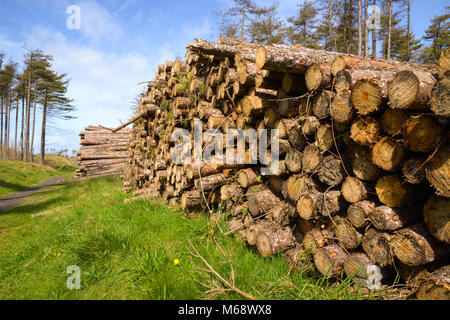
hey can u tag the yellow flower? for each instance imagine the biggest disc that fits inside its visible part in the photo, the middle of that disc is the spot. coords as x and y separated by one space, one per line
176 261
59 254
27 274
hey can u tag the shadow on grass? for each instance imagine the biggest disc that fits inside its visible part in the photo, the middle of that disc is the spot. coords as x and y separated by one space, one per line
33 208
12 186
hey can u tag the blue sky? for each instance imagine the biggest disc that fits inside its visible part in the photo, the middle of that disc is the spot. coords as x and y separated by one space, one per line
120 44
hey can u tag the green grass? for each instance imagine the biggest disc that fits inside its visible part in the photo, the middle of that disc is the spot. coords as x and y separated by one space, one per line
17 175
127 251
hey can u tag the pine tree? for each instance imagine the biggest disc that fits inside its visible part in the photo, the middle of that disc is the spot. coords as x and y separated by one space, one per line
8 78
303 26
265 27
439 35
235 20
346 29
54 102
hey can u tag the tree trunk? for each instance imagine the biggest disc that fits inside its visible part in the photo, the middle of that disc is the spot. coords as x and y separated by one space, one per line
366 30
44 125
374 37
408 33
359 27
389 31
33 127
15 129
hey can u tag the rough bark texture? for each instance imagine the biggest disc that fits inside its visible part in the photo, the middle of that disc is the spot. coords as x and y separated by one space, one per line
438 172
436 214
330 260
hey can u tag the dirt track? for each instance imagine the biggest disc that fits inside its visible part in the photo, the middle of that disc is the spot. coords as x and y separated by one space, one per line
14 200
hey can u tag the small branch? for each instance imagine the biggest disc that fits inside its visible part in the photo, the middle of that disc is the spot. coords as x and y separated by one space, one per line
222 279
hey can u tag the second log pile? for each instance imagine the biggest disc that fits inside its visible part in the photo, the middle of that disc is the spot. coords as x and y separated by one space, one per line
102 152
365 158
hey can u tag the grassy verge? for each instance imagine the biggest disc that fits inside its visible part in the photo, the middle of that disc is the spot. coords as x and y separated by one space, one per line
127 251
17 175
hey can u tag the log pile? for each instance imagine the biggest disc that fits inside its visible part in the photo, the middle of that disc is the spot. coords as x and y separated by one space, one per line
364 171
102 152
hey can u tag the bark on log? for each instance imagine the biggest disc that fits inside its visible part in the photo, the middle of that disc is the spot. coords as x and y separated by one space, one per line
316 239
436 213
274 240
377 247
438 172
385 218
247 178
261 202
440 97
436 286
210 182
191 199
330 260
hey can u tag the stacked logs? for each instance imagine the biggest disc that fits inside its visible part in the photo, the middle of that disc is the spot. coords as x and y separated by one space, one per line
102 152
363 177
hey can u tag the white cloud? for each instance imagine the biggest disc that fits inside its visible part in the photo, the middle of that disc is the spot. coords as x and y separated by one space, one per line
103 84
98 24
